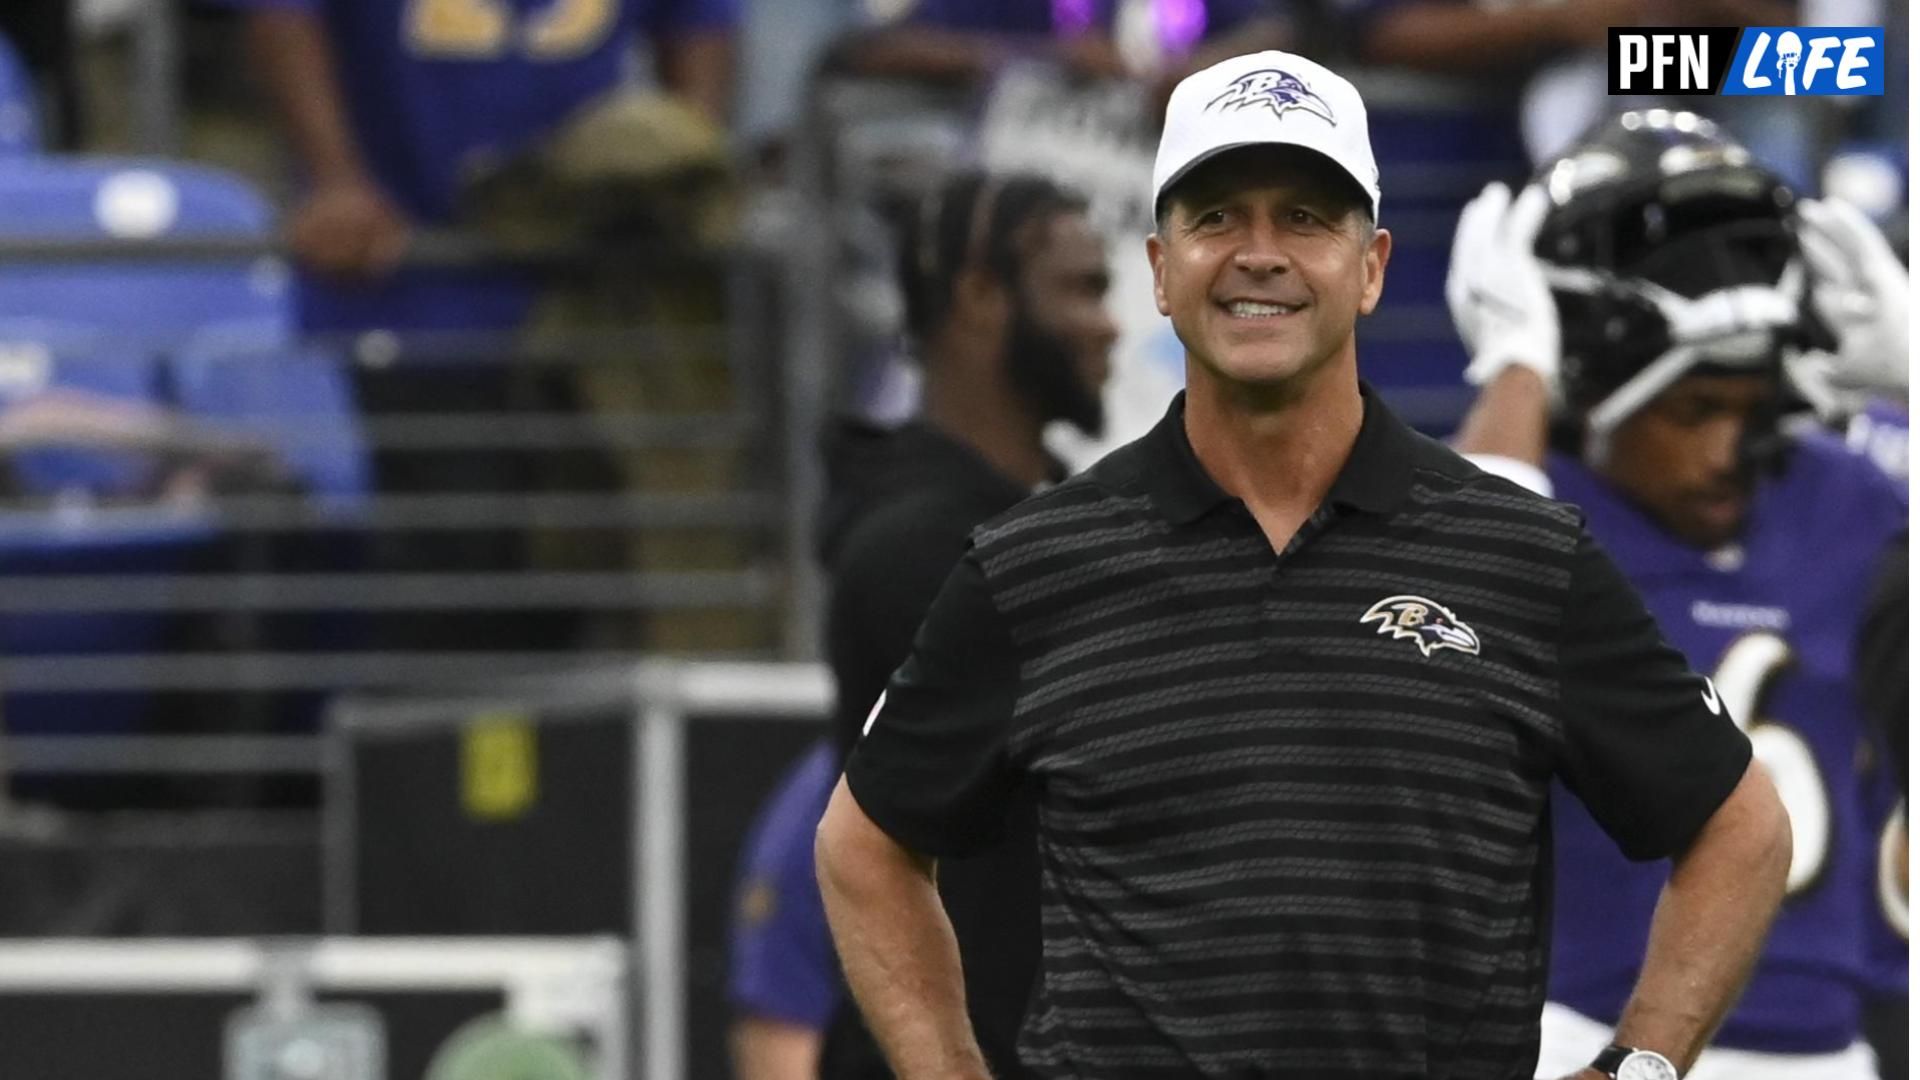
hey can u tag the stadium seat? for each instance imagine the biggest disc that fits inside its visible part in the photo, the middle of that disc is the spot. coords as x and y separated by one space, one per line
44 358
295 399
162 302
210 339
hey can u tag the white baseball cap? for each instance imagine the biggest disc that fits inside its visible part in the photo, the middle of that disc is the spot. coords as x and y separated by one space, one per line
1260 99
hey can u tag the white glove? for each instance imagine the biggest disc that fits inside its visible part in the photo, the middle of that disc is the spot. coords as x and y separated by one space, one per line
1496 291
1860 289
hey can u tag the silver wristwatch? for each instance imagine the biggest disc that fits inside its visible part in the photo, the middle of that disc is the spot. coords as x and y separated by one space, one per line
1628 1063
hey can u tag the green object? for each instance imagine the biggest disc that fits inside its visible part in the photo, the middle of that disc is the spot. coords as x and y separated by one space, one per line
487 1048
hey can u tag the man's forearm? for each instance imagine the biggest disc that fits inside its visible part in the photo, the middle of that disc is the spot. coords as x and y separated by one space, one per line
292 56
1509 418
896 946
1710 923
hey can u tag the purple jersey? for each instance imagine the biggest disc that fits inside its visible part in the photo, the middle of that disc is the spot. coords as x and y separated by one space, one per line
1879 434
782 966
1773 621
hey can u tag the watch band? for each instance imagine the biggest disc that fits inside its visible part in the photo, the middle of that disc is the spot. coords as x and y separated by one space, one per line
1609 1060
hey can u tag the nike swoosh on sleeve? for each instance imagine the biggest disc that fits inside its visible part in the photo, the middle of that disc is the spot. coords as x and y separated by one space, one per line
1711 695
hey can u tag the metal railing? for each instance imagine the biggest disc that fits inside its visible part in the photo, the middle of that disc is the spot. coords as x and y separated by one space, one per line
681 513
661 698
551 985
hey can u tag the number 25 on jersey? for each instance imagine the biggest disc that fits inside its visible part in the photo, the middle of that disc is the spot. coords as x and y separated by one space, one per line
492 29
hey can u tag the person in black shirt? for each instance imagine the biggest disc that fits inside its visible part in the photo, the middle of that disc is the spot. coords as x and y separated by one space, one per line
1005 284
1289 683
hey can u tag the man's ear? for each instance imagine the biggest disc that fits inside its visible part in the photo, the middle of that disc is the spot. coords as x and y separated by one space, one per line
980 298
1157 258
1374 262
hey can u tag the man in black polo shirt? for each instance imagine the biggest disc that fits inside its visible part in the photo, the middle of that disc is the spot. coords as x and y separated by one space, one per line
1290 681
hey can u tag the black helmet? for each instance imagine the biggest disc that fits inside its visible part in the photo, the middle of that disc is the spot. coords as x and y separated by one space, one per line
1669 250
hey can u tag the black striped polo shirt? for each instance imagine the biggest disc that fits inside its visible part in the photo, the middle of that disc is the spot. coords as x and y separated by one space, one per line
1292 806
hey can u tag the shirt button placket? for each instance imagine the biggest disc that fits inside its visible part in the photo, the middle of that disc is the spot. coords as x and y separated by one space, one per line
1273 605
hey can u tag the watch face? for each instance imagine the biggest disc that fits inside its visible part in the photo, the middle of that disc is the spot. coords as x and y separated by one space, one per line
1646 1065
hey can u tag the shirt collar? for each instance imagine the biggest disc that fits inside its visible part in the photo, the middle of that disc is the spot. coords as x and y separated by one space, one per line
1376 476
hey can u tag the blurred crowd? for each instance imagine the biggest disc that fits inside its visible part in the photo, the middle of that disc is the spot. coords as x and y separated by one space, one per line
372 123
661 126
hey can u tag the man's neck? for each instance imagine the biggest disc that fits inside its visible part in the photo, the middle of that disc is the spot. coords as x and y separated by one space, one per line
1003 430
1277 453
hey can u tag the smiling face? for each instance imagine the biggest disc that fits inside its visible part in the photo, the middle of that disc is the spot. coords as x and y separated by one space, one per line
1264 259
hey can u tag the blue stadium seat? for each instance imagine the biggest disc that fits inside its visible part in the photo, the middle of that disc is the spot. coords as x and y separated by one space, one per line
297 400
19 115
158 302
45 358
214 339
40 358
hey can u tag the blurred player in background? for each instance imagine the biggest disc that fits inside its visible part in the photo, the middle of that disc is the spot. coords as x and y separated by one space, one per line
388 104
782 980
1640 321
397 113
1005 284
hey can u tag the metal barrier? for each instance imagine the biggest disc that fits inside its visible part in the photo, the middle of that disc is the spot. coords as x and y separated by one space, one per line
662 697
677 521
550 985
